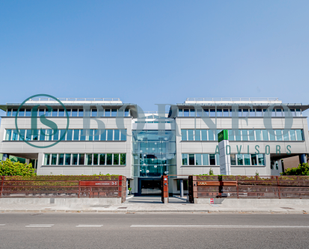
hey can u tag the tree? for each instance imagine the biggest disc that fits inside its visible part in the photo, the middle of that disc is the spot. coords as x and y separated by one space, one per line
302 169
9 168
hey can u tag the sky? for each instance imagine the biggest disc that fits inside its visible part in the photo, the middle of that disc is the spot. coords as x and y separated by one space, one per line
153 52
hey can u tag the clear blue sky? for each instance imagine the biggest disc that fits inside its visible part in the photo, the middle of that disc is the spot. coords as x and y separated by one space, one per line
149 52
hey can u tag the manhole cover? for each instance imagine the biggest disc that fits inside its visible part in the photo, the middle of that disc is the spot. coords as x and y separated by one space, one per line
287 208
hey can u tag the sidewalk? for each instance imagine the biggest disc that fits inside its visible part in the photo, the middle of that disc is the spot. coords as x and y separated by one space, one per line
153 204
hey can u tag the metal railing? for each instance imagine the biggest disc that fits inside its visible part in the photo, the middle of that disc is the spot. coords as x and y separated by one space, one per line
234 99
46 99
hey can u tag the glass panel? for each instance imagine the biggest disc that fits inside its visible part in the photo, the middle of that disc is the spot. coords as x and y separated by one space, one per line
245 112
74 113
107 113
80 112
46 159
114 112
231 135
205 159
239 112
186 112
54 112
96 135
67 159
109 135
21 113
41 112
253 159
126 113
9 112
192 113
90 135
74 161
56 135
69 135
103 135
212 159
261 159
14 112
62 134
247 159
211 135
298 113
81 159
28 112
272 135
61 112
109 158
279 113
180 113
123 159
42 134
258 135
190 135
191 159
217 159
299 135
286 135
278 135
265 135
28 135
240 159
198 159
212 112
116 135
93 113
61 159
252 112
238 135
116 159
76 135
293 112
292 135
219 112
206 112
259 113
102 159
204 135
15 135
184 159
184 135
83 135
88 159
123 135
244 134
225 112
21 135
95 159
251 135
54 159
197 135
233 159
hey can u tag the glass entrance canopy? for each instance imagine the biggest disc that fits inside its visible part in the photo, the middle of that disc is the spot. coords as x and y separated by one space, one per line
154 153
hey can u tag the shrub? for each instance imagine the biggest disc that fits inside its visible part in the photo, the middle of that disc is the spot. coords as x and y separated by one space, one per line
9 168
302 169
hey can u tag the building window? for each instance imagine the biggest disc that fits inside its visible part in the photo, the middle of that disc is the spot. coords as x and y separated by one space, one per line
123 159
184 159
109 159
191 159
212 159
102 159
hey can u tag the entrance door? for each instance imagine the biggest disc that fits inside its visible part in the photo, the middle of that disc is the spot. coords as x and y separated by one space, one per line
150 186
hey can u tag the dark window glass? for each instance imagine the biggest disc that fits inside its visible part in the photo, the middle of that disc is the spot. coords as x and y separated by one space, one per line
61 112
212 159
240 159
116 135
74 113
103 135
94 113
114 112
253 159
212 112
81 159
69 135
204 135
219 112
46 159
62 134
67 159
107 113
247 159
123 135
95 159
21 113
102 159
9 113
54 159
109 159
116 159
28 112
184 135
61 159
76 135
191 159
42 134
54 112
233 159
109 135
75 159
80 112
225 112
88 159
184 159
123 159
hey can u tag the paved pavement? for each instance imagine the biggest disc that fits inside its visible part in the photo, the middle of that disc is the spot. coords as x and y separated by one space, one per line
153 230
177 204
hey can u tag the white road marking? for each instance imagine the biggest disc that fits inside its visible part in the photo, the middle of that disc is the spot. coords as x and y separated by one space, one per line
40 225
89 226
214 226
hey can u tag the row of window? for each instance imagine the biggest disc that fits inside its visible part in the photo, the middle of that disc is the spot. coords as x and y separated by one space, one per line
65 135
243 135
240 113
213 159
200 159
85 159
71 112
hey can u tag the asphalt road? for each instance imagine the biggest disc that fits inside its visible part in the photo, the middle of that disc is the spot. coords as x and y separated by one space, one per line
153 230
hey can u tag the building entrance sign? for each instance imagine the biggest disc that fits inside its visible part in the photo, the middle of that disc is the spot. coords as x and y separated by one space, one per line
225 160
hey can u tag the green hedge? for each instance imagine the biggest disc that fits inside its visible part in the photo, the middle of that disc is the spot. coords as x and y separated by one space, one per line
9 168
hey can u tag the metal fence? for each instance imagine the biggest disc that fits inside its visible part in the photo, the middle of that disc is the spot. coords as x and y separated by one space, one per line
63 187
248 187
